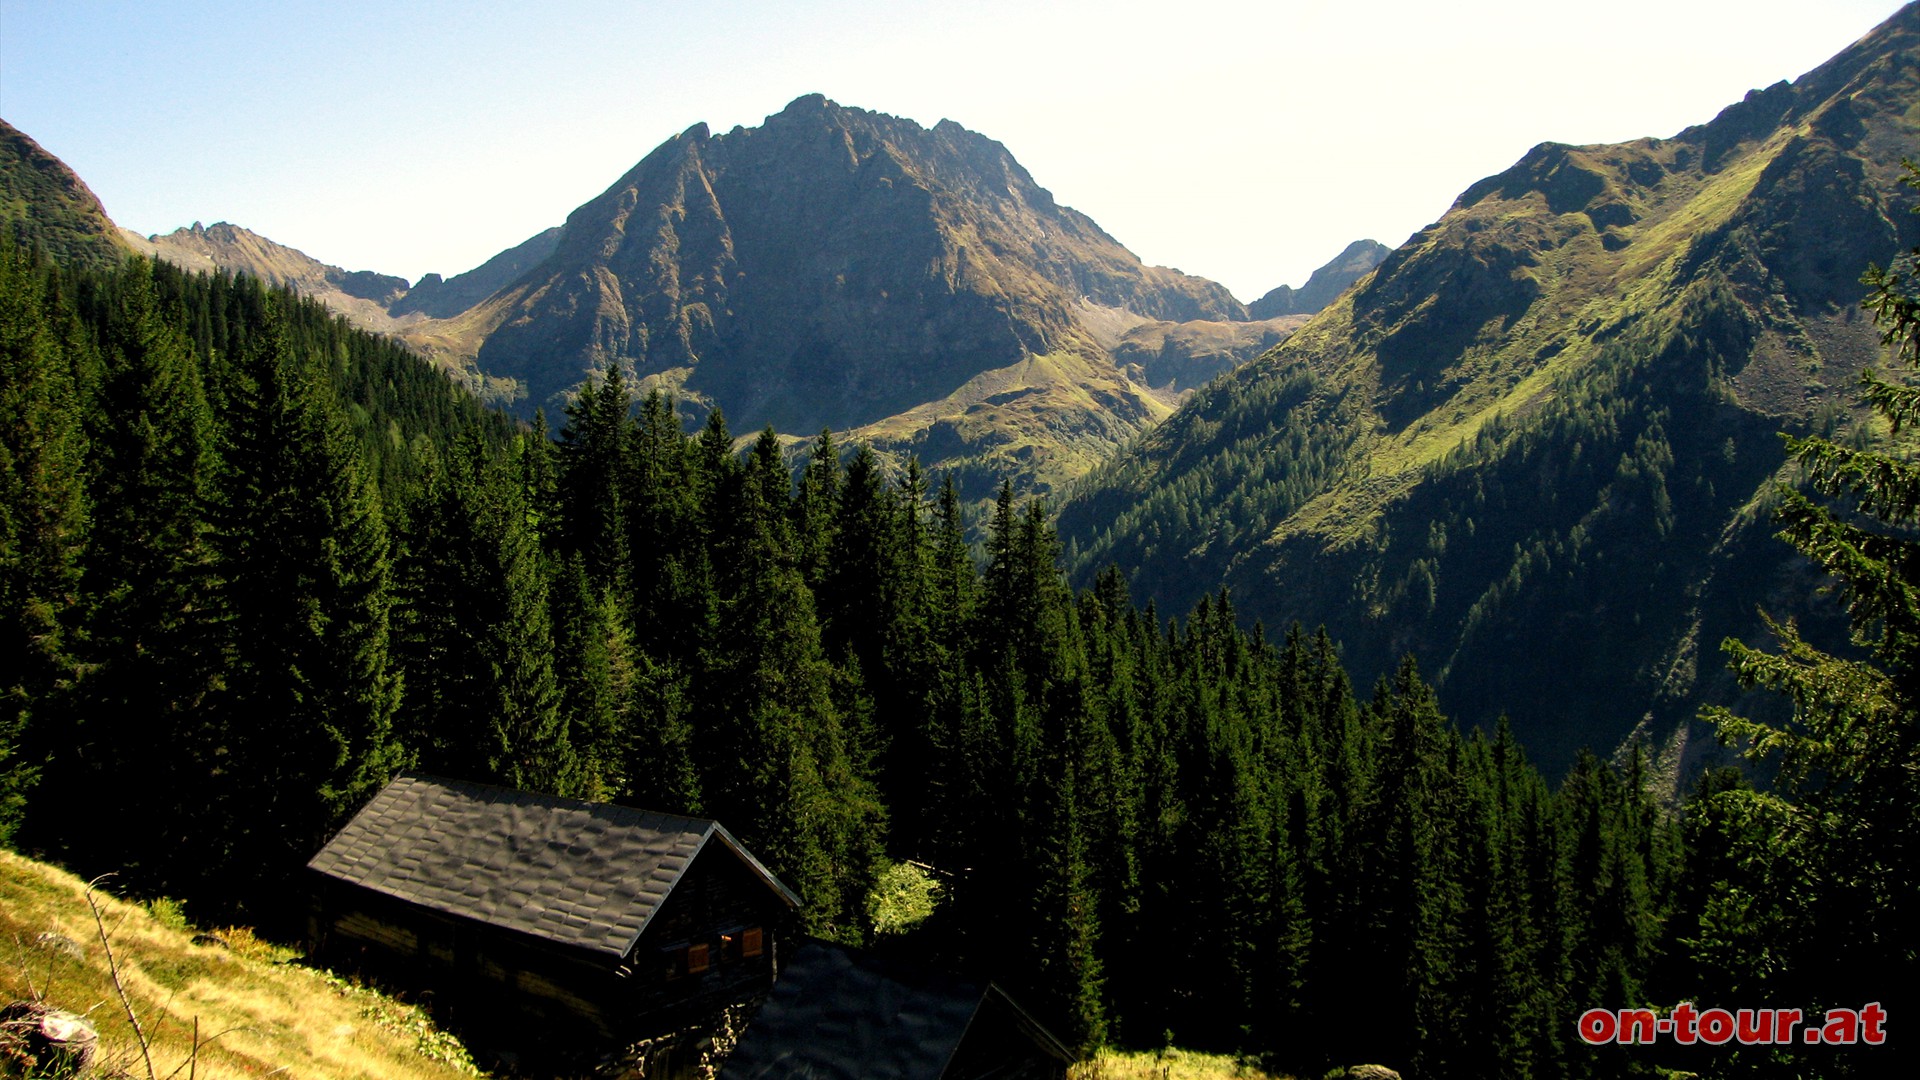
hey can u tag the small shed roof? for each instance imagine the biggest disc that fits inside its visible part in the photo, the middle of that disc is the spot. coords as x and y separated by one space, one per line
845 1014
587 875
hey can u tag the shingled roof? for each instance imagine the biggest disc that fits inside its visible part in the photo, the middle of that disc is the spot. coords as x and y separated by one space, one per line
845 1014
588 875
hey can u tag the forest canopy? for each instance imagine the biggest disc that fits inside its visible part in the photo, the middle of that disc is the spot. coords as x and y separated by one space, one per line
254 562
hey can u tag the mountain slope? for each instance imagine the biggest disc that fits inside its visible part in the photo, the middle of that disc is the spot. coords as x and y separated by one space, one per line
250 1010
1533 448
42 202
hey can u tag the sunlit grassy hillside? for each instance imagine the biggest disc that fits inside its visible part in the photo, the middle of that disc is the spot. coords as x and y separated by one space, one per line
257 1012
1168 1064
260 1013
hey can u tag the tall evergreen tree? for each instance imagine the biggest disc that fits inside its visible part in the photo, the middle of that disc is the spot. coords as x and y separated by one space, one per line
483 701
306 718
816 512
594 484
149 650
42 522
773 754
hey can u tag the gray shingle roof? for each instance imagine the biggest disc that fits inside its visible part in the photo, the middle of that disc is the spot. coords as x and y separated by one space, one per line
845 1014
588 875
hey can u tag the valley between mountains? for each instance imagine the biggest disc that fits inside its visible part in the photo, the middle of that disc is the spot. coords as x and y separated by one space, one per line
908 288
1533 449
1351 675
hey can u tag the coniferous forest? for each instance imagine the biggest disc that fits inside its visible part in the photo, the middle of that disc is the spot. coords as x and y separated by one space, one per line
253 562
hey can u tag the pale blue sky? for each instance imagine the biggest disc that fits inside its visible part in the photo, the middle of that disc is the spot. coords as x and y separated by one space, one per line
1247 142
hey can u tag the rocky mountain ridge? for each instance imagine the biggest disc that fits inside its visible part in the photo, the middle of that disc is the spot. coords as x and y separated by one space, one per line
361 295
439 298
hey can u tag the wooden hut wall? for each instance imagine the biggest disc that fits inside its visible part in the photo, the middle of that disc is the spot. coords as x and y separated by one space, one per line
474 969
717 903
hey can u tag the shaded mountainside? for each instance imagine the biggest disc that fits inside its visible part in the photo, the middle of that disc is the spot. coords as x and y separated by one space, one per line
1535 448
42 203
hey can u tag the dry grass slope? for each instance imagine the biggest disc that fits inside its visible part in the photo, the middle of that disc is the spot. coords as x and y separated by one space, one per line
1167 1064
258 1014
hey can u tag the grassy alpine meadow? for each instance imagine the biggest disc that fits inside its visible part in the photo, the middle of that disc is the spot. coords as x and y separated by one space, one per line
251 1007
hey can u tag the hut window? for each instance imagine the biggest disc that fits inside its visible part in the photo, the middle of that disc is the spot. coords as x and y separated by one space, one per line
750 944
697 959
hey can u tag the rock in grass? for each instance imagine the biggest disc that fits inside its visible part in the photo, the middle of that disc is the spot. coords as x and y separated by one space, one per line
55 1041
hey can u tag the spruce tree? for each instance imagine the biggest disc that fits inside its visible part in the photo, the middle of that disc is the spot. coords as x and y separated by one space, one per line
593 666
43 520
140 723
772 752
816 512
305 732
483 701
593 481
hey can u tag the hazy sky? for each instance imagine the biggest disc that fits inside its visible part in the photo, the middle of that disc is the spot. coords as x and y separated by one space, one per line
1247 142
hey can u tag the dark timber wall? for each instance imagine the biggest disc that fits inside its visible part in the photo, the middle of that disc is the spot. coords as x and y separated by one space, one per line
714 940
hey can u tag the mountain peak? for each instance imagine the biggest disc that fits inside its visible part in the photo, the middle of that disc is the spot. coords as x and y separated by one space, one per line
836 267
1354 262
809 103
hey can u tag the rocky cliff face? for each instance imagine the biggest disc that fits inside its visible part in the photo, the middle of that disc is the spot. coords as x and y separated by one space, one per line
1535 447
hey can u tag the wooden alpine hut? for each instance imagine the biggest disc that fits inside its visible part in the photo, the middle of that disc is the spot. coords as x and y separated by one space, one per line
598 925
